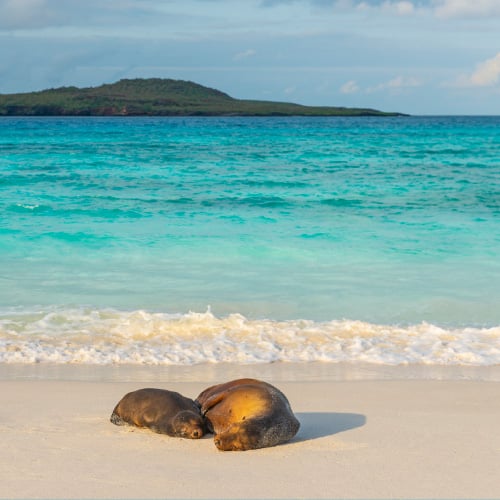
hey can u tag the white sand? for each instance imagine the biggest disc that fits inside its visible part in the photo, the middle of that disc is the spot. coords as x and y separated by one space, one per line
364 438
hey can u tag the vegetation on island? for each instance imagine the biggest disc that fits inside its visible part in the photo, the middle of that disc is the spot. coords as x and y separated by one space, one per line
157 97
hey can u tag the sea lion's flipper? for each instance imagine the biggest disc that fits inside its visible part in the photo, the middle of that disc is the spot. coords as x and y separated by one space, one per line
212 401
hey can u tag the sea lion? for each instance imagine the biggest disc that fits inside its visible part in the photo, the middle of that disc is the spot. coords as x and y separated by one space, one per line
162 411
247 414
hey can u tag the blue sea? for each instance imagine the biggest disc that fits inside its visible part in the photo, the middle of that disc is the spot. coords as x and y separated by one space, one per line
176 241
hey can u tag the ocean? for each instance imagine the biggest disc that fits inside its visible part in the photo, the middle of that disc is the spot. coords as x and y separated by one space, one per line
177 241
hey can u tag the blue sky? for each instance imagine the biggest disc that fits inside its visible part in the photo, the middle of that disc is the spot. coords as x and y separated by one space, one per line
413 56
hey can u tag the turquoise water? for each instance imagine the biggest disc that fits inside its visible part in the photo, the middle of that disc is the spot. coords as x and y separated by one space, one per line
290 237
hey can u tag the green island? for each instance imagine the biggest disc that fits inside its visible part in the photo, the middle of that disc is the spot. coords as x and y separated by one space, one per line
157 97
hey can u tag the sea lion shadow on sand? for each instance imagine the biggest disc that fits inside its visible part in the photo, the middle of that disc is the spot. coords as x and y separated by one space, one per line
315 425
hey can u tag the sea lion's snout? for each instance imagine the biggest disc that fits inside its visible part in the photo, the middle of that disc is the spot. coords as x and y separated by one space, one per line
228 443
196 433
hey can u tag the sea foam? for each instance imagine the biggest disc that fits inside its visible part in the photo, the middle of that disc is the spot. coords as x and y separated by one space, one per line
107 336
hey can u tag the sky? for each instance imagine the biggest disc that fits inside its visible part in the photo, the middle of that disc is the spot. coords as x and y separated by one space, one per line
422 57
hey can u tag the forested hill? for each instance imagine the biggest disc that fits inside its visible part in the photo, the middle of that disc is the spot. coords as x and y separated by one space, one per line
156 97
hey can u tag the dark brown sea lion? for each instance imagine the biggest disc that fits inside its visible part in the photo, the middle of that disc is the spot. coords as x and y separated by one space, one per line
162 411
246 414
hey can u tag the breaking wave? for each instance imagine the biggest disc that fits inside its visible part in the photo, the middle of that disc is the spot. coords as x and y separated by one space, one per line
108 336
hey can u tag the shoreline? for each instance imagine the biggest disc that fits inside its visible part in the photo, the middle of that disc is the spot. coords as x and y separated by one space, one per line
377 437
215 372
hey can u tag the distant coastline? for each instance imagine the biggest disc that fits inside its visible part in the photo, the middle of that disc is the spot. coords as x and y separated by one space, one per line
158 97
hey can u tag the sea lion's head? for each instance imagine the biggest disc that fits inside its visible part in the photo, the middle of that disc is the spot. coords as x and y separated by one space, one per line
229 442
188 424
239 436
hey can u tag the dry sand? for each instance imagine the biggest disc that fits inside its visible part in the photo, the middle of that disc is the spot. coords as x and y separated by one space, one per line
373 437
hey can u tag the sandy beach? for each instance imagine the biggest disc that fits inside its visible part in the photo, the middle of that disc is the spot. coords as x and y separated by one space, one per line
372 437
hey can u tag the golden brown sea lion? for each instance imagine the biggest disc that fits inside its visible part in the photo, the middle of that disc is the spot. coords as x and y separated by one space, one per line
162 411
246 414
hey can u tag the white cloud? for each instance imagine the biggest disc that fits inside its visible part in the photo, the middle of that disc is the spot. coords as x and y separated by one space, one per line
404 8
486 74
23 13
244 55
399 7
396 84
350 87
467 8
440 8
